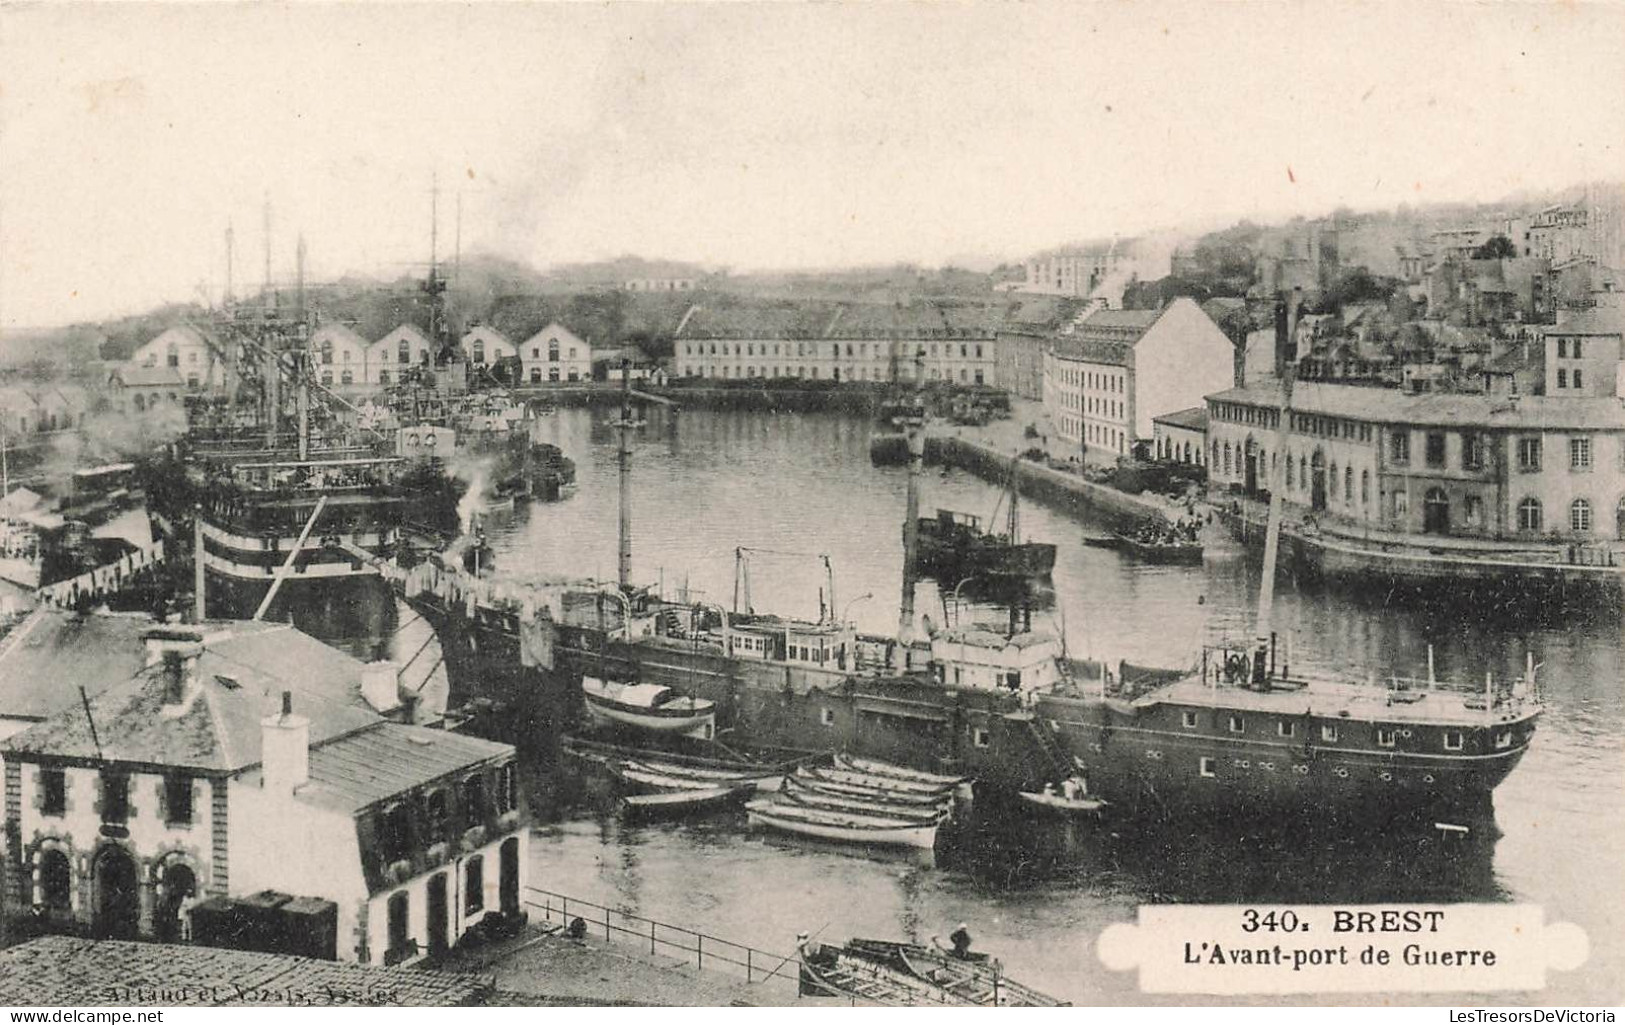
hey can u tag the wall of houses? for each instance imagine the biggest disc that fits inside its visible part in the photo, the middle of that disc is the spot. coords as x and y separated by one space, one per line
555 355
1182 358
960 359
1089 404
462 916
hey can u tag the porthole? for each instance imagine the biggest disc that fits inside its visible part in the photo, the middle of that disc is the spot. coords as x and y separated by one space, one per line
1302 770
1246 764
1341 772
1385 776
1428 778
1154 755
1405 733
1267 766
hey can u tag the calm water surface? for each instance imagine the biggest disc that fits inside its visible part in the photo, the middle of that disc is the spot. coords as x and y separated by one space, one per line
799 487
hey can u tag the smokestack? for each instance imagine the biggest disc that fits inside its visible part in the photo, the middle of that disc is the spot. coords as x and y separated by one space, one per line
284 749
380 687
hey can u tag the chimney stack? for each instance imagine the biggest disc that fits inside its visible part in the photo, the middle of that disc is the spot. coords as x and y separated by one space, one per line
380 687
285 749
176 648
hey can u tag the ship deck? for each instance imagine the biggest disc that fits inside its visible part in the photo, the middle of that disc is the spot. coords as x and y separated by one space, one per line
1339 699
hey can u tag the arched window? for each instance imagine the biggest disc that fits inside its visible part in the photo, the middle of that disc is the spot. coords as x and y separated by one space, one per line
439 816
1289 474
474 885
1303 472
1227 459
140 402
55 880
1348 484
1365 487
1529 514
1580 516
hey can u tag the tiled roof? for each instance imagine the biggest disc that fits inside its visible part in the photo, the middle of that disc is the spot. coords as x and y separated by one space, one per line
1194 418
244 668
1443 409
64 971
49 655
360 769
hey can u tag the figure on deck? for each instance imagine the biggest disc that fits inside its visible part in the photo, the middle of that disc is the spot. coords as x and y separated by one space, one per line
960 938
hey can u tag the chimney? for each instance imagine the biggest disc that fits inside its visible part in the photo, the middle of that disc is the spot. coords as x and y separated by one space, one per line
380 685
175 647
285 749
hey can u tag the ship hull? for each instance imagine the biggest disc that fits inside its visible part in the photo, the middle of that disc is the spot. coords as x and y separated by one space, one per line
328 608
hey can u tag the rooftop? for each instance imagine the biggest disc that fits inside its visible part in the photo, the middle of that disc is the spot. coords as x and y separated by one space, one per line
241 674
360 769
64 971
1194 418
1444 409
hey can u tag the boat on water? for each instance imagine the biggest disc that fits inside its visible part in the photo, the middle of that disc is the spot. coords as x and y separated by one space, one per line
904 974
888 439
976 976
847 827
684 802
1082 805
954 546
883 784
819 779
875 767
802 793
1158 543
658 782
766 780
648 706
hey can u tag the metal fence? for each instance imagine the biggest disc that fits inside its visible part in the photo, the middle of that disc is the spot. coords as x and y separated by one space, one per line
706 952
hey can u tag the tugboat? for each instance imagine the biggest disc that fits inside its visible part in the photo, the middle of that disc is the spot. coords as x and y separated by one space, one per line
953 547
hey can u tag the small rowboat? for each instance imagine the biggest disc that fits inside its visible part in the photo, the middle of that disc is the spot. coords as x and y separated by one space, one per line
874 782
829 970
767 779
839 825
684 802
1161 551
659 782
799 794
650 707
815 781
871 767
1083 804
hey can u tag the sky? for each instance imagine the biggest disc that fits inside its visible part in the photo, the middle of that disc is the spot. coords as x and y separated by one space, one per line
749 136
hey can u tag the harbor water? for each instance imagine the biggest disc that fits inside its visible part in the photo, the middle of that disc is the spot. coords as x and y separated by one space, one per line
794 488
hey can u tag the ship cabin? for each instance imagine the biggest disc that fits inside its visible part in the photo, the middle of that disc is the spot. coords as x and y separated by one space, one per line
991 659
821 645
1394 717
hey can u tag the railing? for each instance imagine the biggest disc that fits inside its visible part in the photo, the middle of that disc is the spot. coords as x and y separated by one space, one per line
704 950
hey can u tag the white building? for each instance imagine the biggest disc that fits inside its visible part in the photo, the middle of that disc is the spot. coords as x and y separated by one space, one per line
338 357
1106 382
244 757
485 346
390 356
555 354
193 354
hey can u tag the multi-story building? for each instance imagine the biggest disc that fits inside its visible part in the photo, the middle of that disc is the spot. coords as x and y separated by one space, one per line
1105 382
1024 337
556 354
1584 353
244 757
1522 469
390 356
486 347
1075 270
339 357
194 355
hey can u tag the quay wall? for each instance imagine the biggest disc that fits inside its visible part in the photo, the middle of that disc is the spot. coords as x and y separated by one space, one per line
1068 492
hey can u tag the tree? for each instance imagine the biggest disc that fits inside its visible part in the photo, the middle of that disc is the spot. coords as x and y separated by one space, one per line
1499 247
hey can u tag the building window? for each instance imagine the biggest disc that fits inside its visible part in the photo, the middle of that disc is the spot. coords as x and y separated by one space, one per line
1435 448
1562 378
178 800
1238 724
395 834
1529 454
1399 447
1348 485
1580 516
400 940
1475 511
474 886
1385 738
1365 485
1579 380
1328 734
980 737
1452 740
1579 453
1189 720
474 799
1472 451
1529 515
439 817
1576 353
1285 729
53 791
56 880
826 716
1562 348
1206 767
115 798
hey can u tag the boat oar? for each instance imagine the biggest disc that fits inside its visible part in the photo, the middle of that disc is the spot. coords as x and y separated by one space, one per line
810 936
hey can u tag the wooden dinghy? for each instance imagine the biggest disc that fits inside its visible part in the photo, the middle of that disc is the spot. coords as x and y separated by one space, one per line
872 767
976 978
1060 804
684 802
848 827
649 707
767 779
831 970
815 780
656 782
800 793
890 784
